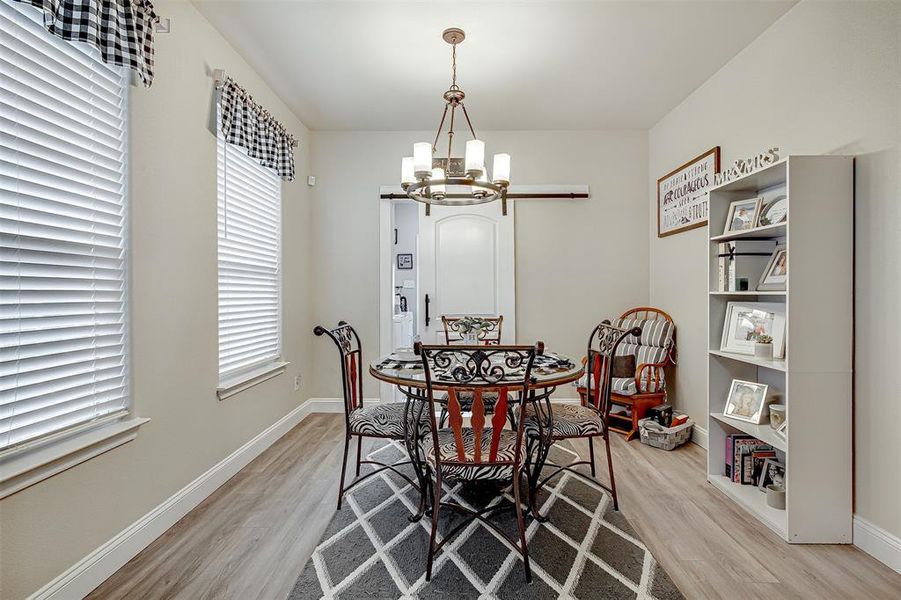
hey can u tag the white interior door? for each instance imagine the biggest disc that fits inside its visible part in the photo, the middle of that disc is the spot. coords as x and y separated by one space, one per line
466 267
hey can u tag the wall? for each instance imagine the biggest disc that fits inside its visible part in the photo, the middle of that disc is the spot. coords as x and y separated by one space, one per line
577 261
824 79
50 526
406 221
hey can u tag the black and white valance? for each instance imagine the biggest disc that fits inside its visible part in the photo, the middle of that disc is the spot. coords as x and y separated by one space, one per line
246 124
121 29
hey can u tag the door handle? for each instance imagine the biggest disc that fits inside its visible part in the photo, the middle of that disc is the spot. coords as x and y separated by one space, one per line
427 318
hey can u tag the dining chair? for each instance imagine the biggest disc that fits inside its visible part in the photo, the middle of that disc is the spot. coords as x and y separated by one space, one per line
550 422
489 335
378 421
485 450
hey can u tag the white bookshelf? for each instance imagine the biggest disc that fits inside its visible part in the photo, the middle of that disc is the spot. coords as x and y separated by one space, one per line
813 379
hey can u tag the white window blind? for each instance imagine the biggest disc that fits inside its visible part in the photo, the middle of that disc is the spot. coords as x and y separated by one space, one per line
63 292
249 263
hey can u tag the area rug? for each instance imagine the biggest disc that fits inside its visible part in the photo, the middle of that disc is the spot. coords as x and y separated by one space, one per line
586 550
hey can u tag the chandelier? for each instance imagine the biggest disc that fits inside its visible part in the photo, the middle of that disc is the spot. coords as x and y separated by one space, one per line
453 181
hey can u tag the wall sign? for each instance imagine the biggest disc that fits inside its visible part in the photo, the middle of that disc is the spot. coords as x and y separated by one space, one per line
404 261
746 166
682 194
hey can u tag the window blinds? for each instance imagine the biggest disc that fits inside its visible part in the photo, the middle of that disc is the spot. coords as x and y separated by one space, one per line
249 262
63 313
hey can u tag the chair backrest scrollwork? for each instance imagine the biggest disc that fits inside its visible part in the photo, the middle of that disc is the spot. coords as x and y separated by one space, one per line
602 344
489 333
351 354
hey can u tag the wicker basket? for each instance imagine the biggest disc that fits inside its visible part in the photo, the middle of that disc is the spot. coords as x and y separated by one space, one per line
654 434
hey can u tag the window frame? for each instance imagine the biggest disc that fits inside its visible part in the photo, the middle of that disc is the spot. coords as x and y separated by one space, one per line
31 461
241 379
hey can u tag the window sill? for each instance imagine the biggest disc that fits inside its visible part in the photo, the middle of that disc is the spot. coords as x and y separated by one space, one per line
29 465
235 385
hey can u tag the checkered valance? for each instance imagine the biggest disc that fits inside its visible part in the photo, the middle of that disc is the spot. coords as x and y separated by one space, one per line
246 124
121 29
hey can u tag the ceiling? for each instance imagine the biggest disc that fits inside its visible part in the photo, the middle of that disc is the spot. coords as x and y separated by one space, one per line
379 65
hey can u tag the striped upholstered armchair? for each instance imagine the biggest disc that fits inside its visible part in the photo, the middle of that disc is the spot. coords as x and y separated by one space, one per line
639 377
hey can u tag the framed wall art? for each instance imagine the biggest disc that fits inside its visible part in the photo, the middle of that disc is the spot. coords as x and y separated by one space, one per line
404 261
682 194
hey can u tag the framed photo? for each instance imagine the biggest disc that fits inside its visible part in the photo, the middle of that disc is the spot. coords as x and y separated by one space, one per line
773 212
682 194
742 215
773 473
746 320
746 401
775 275
404 261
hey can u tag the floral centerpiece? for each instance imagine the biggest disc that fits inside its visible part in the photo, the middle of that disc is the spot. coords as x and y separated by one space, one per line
470 328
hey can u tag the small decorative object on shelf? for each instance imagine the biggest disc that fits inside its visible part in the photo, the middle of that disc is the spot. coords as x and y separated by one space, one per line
773 473
742 215
746 401
775 496
775 275
740 261
763 346
744 322
777 415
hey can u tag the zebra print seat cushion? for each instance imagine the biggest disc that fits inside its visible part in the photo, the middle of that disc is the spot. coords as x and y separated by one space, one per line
506 452
570 420
489 399
381 420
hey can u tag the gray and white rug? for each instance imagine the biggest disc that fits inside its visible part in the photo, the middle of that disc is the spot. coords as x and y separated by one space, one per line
586 550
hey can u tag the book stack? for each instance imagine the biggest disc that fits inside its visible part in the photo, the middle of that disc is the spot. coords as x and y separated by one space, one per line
745 458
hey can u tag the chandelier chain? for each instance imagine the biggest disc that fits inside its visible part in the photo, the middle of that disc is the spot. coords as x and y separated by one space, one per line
454 66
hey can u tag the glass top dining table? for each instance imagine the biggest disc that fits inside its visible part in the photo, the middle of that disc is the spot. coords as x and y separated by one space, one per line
404 369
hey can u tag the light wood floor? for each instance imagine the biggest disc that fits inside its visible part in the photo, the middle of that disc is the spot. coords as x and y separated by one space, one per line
252 537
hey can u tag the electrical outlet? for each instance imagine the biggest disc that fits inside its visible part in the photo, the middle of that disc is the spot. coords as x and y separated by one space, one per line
311 180
297 382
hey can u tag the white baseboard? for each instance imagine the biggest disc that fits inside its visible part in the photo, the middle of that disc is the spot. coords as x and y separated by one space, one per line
878 543
79 580
699 436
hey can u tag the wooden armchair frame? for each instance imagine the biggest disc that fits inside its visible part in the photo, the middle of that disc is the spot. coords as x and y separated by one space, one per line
647 376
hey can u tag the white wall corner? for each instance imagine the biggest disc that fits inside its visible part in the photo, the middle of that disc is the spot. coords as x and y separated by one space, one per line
878 543
699 436
80 579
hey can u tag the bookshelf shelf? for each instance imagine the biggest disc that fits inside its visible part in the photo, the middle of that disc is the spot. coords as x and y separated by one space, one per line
813 380
762 432
776 365
746 293
769 231
754 501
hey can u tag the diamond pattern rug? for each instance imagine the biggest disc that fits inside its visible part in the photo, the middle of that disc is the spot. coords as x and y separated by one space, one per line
586 550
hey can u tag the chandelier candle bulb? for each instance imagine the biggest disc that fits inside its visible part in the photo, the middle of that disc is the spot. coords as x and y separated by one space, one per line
475 157
480 192
501 168
438 191
422 159
407 174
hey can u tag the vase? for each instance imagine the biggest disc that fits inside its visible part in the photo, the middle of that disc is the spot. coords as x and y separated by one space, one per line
763 351
471 338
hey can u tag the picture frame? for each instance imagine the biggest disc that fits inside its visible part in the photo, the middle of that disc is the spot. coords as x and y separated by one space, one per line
775 275
682 201
773 211
773 473
782 430
745 320
404 261
742 215
746 401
